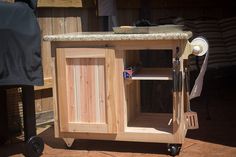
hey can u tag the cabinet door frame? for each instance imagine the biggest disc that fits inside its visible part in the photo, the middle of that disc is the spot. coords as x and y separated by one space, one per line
69 53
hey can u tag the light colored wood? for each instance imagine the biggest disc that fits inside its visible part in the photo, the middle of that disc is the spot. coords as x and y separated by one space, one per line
153 74
45 103
61 84
71 23
191 120
180 130
86 88
60 108
187 49
60 3
150 123
110 97
85 53
58 22
132 100
88 127
123 120
124 136
88 95
45 23
138 98
47 84
190 116
55 94
131 109
52 21
69 141
120 90
71 90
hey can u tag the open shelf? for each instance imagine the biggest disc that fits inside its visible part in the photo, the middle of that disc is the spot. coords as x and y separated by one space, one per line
153 74
160 123
148 92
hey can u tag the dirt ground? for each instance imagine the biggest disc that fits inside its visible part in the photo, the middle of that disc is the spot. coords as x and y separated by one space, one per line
216 136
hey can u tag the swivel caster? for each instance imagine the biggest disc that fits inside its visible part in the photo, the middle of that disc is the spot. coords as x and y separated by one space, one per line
34 146
174 149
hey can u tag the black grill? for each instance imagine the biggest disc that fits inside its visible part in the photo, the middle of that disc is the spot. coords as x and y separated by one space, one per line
20 66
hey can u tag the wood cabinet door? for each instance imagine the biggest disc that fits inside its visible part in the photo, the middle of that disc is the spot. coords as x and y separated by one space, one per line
85 78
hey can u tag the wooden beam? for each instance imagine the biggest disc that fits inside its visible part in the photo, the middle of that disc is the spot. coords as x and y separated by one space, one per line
60 3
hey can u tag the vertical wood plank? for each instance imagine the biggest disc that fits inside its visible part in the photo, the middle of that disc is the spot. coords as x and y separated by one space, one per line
61 84
45 22
83 91
55 94
77 87
96 82
110 105
119 85
71 23
101 91
58 21
70 89
92 92
92 101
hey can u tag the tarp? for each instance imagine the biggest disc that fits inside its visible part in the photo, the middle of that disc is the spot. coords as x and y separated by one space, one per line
20 45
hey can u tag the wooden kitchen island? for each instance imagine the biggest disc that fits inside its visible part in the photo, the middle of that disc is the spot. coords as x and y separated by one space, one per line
93 100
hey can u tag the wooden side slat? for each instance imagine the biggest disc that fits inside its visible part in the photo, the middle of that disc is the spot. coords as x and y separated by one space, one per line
61 84
110 97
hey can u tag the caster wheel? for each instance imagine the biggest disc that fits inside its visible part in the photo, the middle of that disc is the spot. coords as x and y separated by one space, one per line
174 149
34 147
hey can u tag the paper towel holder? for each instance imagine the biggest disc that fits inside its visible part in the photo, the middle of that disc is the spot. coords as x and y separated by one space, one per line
200 46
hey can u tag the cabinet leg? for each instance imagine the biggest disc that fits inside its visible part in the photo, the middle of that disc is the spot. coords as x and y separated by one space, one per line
69 141
29 112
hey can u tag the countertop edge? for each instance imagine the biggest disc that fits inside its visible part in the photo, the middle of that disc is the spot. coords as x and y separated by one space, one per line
109 36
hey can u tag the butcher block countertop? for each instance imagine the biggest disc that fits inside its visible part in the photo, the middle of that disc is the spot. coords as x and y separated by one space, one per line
111 36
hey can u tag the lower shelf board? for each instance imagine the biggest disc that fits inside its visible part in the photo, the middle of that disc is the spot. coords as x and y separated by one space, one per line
151 123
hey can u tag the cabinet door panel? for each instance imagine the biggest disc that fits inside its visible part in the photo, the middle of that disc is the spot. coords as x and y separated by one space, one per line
85 91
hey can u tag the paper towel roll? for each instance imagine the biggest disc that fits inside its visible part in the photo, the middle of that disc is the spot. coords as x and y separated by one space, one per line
200 48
